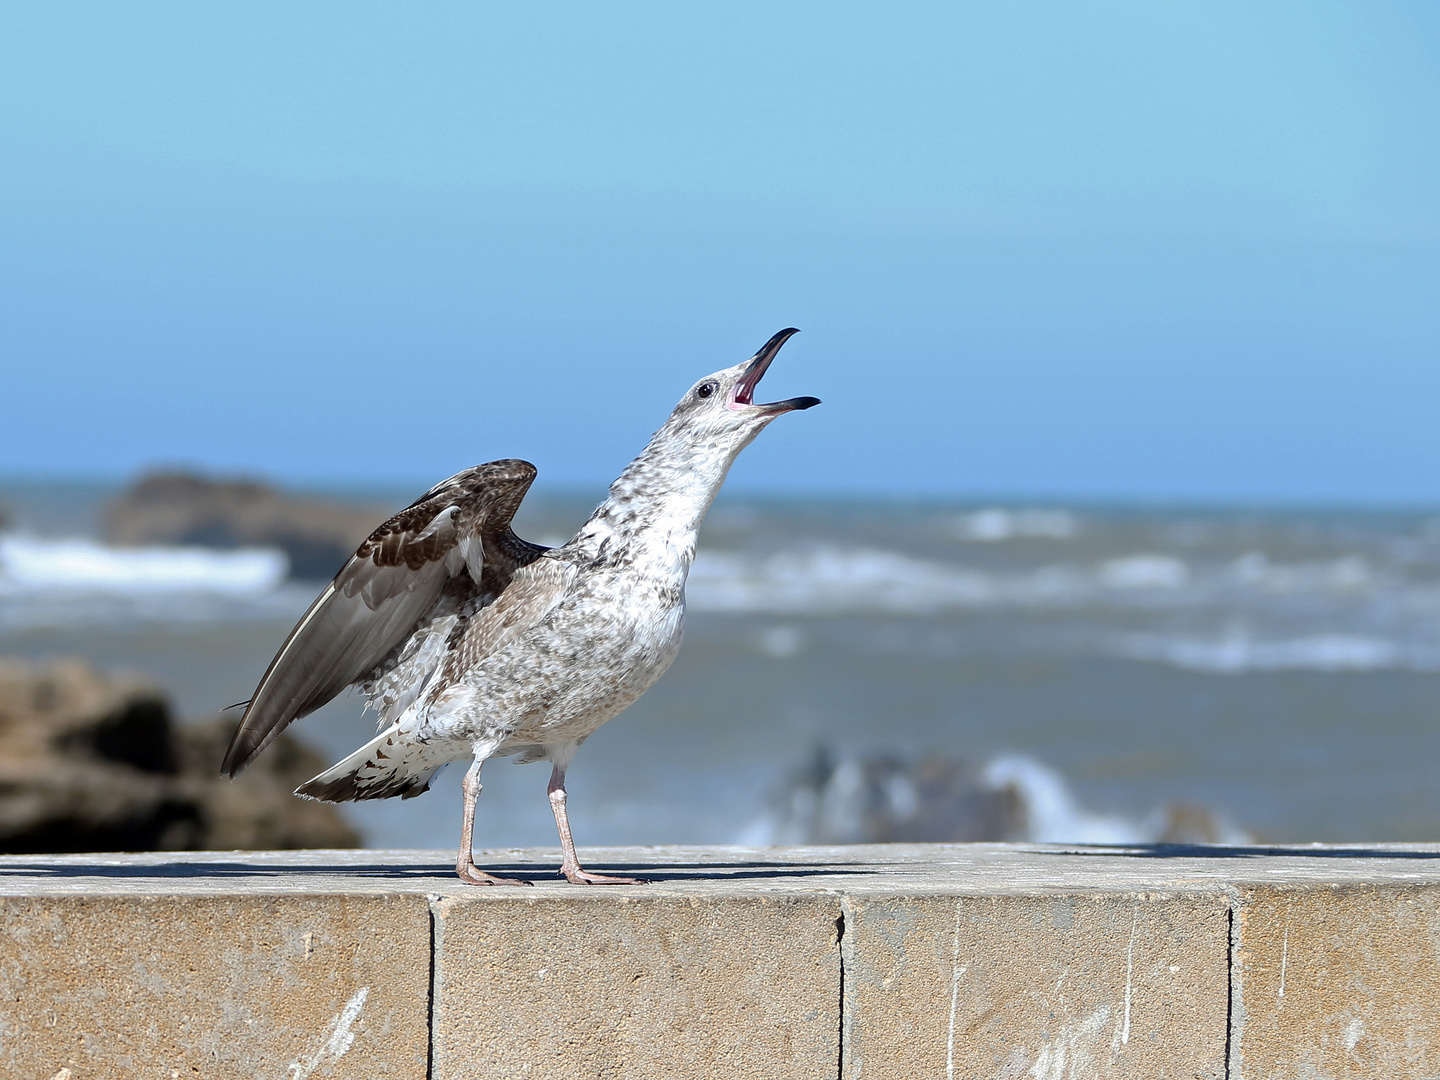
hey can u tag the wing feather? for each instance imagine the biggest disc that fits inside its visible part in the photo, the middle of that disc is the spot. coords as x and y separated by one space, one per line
385 591
371 772
532 592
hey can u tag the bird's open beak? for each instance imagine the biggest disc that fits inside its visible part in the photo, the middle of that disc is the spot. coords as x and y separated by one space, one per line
744 393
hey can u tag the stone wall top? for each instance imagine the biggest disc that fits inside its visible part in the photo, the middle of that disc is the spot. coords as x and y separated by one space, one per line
902 869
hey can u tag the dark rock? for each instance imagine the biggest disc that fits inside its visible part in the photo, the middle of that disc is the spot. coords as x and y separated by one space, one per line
258 811
1185 823
92 762
881 798
184 508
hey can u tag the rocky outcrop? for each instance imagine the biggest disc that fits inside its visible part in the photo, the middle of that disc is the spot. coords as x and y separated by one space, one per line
93 762
885 798
184 508
881 798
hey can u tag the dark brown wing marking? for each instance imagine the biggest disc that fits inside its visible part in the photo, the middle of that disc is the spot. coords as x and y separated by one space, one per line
384 591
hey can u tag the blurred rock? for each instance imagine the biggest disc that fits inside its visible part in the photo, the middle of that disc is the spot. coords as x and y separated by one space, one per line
258 811
92 762
184 508
1186 823
883 798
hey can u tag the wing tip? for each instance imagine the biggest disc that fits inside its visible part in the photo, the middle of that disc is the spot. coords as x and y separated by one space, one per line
245 746
237 758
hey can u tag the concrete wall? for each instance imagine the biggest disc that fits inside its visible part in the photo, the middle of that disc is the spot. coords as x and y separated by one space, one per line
949 962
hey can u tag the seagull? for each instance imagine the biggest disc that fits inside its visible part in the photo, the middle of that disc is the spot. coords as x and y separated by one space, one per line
472 643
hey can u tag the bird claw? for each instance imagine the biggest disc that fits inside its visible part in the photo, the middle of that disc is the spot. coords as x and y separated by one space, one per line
473 875
585 877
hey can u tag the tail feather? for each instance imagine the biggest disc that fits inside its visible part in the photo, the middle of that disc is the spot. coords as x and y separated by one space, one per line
381 769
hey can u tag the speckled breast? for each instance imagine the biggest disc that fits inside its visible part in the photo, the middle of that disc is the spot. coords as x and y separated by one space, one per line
596 653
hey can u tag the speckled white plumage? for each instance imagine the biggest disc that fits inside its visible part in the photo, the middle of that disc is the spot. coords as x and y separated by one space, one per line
520 650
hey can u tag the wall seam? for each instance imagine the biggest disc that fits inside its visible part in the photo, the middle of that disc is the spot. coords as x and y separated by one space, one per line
840 949
1234 978
430 996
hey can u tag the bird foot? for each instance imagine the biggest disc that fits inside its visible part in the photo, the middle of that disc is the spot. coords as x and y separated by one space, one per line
473 875
577 876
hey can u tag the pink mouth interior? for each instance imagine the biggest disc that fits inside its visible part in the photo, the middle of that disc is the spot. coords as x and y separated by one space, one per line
745 388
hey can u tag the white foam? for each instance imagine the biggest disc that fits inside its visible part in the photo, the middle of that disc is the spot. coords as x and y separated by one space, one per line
1347 574
832 580
994 524
1238 651
31 565
1052 813
1144 571
842 806
781 642
828 579
825 579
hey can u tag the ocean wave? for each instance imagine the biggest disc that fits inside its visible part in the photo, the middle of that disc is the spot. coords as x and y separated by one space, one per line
1144 571
76 582
877 798
1052 813
69 581
825 579
993 524
69 610
829 580
1345 574
1238 651
34 565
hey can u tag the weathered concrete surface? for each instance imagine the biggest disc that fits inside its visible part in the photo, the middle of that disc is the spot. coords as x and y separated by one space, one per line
663 986
1338 981
955 961
1097 986
211 986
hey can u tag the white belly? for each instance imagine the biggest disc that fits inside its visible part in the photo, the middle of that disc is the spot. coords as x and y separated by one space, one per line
583 664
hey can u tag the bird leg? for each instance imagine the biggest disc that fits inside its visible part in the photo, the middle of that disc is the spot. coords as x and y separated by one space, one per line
570 866
465 862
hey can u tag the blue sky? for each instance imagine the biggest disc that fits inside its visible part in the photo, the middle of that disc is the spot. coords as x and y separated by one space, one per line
1185 251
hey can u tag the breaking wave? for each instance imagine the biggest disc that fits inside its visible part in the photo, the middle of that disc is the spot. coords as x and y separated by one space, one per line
993 524
67 582
1238 651
879 798
831 580
826 579
1247 612
29 564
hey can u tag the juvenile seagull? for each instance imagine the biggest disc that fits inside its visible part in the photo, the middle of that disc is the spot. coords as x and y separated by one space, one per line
473 643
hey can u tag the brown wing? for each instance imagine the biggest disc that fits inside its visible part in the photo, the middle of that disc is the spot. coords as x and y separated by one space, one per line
460 527
381 768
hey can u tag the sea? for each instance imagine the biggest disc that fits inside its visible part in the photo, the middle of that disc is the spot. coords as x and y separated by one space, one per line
1278 670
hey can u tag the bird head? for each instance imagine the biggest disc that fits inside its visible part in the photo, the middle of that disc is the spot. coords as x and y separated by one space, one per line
721 408
682 467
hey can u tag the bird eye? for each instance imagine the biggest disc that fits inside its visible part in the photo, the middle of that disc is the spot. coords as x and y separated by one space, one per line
705 389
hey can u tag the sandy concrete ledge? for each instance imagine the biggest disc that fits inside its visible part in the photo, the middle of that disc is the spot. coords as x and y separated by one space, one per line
889 961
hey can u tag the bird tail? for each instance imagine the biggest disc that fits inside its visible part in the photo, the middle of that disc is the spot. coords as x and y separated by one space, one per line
381 769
